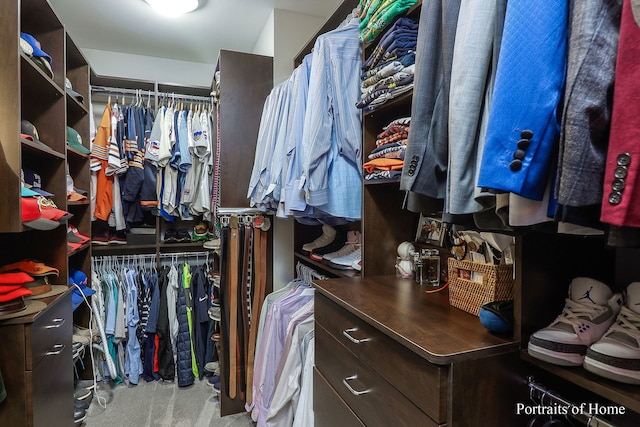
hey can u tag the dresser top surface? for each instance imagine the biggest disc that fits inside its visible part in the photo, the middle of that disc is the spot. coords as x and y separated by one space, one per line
424 323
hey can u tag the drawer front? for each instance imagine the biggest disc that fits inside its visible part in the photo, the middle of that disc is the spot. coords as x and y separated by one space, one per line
424 383
372 399
329 410
51 384
46 330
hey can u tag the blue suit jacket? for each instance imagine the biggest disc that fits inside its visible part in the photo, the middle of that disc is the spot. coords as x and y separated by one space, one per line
523 124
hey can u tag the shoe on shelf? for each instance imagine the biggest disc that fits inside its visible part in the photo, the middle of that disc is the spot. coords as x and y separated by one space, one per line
117 237
338 242
353 239
588 312
617 354
100 237
170 235
212 367
213 380
81 404
214 313
328 234
79 415
345 262
200 231
183 236
211 243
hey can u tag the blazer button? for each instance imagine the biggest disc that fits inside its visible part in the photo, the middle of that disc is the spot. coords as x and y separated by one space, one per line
618 184
615 197
518 155
523 144
623 159
515 165
526 134
620 172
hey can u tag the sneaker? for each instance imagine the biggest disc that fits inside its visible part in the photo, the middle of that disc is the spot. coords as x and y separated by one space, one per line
338 242
617 354
212 367
170 235
200 230
213 381
79 415
214 313
353 239
328 234
100 237
345 262
211 244
183 236
588 312
118 238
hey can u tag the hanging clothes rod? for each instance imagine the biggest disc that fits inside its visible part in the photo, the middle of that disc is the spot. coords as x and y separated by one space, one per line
575 411
137 92
203 254
239 211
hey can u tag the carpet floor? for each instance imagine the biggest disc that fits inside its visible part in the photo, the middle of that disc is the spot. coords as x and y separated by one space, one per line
159 404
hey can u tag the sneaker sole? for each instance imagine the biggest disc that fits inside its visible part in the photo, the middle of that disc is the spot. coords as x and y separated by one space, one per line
99 242
117 242
562 359
611 372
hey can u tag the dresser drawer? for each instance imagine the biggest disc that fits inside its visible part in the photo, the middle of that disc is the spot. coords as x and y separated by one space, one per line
42 337
329 410
422 382
51 383
372 399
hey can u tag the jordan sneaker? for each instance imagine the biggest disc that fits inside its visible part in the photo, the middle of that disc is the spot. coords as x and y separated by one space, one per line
588 312
353 239
341 237
617 354
345 262
328 234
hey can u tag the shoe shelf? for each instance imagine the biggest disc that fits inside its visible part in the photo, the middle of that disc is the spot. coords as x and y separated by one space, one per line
39 150
623 394
122 249
80 249
324 267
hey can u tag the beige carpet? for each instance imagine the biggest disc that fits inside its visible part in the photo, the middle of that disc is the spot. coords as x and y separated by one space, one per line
160 404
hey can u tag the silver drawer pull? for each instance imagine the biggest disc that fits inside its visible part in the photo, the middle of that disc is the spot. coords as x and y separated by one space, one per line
59 348
351 389
55 323
352 339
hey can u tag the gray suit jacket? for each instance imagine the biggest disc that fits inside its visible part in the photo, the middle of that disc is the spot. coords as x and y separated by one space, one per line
588 98
425 164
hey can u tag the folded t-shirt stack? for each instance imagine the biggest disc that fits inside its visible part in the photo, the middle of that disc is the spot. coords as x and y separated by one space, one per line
388 72
387 159
376 15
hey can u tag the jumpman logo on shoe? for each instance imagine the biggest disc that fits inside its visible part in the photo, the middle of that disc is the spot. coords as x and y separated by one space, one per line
587 295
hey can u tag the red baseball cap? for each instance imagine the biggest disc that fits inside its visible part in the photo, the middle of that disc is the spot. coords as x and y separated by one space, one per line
40 213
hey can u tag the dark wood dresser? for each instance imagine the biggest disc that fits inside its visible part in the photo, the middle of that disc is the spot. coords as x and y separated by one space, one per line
389 354
37 367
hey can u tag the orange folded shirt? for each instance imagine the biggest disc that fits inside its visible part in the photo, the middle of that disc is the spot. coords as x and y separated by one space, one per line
383 165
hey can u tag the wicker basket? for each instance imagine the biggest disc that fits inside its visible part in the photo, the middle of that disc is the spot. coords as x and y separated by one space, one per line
467 295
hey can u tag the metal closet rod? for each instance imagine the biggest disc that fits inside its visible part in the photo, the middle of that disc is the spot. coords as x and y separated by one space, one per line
144 92
132 257
549 396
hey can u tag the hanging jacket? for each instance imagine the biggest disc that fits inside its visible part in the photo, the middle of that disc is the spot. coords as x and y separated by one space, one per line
200 316
166 364
183 342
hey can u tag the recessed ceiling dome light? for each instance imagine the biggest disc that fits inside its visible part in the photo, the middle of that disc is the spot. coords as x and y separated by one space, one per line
173 8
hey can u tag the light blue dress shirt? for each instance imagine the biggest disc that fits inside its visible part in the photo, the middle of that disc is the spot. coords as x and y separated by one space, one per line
332 136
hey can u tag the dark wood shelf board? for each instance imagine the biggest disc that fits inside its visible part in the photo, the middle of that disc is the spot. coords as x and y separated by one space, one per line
623 394
325 267
76 106
399 101
80 203
38 81
77 153
80 250
122 249
381 181
38 149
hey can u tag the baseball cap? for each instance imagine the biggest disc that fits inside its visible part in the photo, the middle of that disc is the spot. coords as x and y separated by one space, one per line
31 267
43 64
33 182
27 192
29 131
69 87
40 213
75 141
35 45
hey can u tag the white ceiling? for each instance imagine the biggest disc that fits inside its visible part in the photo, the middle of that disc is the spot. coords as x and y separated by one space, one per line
131 26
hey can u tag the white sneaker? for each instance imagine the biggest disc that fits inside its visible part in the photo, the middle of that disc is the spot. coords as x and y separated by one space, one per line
617 354
328 234
345 262
353 239
588 312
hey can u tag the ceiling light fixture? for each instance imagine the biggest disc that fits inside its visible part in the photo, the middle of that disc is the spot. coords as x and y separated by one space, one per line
173 8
